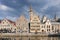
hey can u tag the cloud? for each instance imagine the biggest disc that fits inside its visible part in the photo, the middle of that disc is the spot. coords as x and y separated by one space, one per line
36 1
1 17
5 8
12 18
26 8
14 1
50 3
17 7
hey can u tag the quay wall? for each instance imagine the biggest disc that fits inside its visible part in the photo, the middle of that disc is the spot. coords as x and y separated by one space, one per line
22 35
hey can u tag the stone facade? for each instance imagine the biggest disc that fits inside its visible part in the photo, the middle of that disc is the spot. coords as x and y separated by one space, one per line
22 24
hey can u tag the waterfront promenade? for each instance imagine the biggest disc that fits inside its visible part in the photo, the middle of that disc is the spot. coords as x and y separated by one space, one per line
21 34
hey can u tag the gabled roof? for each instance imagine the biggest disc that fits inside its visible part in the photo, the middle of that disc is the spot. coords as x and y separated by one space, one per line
22 18
8 21
11 22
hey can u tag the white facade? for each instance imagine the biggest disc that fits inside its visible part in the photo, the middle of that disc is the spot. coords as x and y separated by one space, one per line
8 25
37 26
46 27
56 27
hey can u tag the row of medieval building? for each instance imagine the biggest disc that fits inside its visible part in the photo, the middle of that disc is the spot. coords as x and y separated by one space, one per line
34 25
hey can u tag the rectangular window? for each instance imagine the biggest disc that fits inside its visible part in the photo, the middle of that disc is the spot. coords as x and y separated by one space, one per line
49 29
52 28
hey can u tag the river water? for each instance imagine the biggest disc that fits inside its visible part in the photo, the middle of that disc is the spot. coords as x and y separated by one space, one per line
29 38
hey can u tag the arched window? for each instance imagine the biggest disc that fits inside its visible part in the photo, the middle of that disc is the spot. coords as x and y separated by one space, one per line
49 26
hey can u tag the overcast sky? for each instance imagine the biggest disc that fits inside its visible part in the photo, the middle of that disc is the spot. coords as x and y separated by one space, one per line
12 9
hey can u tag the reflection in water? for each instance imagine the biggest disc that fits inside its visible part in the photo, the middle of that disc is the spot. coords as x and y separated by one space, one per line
29 38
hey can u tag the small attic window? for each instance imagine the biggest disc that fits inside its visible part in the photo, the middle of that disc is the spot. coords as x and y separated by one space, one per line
5 20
